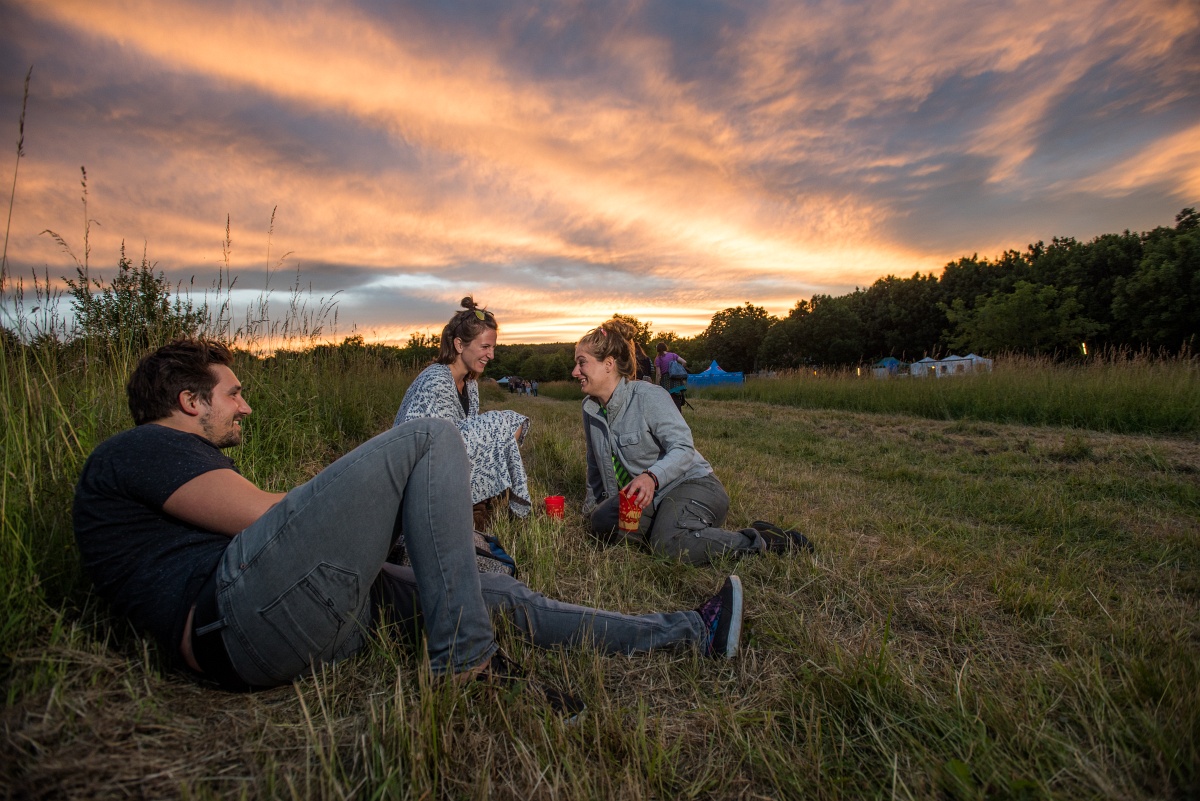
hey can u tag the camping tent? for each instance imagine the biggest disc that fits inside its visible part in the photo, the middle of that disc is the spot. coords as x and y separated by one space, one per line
925 367
950 366
979 364
963 365
886 367
714 375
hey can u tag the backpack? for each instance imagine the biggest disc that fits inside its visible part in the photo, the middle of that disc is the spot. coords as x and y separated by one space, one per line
676 370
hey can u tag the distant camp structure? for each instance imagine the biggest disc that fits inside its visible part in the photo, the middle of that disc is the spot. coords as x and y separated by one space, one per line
886 368
934 368
713 376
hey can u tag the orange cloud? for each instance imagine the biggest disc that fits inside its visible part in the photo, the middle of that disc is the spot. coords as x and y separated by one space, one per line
776 181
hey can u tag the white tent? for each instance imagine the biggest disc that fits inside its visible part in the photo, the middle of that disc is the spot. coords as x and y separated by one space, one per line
979 364
922 368
950 366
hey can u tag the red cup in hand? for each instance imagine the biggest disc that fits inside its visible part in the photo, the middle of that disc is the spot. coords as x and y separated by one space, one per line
630 514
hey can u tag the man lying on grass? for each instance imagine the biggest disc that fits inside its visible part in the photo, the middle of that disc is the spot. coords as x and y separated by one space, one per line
250 589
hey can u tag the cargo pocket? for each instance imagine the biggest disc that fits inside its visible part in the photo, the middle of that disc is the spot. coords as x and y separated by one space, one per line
310 619
696 516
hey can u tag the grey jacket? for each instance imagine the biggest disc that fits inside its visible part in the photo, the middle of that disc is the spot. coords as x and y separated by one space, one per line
647 432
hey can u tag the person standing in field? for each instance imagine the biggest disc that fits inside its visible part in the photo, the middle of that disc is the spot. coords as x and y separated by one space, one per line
248 589
673 384
639 444
449 389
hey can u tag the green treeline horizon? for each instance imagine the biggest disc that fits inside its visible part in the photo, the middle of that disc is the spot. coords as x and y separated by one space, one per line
1126 292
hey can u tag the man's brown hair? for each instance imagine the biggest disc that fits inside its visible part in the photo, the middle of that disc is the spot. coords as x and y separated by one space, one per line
154 387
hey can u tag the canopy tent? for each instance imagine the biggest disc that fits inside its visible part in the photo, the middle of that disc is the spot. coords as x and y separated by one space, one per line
979 364
950 366
963 365
885 367
924 367
714 375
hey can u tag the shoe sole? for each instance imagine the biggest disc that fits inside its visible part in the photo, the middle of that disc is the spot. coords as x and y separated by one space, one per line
734 639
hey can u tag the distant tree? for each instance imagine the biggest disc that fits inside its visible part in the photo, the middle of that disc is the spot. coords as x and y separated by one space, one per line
1033 318
1187 220
833 332
694 351
547 365
735 335
1158 303
780 347
644 334
968 279
901 317
421 349
668 338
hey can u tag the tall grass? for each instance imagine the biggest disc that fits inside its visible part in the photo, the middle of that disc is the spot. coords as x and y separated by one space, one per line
62 381
994 611
1119 393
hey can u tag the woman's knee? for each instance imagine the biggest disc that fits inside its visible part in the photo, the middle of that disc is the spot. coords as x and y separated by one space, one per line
681 546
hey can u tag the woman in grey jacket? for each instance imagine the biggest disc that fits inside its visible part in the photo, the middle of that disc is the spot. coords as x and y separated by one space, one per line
637 441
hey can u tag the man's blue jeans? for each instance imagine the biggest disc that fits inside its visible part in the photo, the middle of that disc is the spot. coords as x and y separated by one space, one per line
547 622
294 588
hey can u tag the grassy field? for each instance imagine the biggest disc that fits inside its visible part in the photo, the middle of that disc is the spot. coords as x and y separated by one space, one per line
995 610
1119 392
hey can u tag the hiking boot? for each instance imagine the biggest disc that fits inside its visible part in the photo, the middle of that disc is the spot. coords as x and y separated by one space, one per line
722 616
503 674
780 541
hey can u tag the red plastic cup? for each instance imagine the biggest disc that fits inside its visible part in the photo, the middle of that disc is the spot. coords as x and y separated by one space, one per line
555 506
629 515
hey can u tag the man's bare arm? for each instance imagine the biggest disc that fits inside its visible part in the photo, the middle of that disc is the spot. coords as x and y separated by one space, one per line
223 501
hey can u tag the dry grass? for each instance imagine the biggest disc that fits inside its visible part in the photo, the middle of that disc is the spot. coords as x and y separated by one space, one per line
993 611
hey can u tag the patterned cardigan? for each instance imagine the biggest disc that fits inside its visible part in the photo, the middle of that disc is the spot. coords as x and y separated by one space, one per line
495 453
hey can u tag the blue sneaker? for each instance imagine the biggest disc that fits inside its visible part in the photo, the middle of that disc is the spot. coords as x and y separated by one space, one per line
722 616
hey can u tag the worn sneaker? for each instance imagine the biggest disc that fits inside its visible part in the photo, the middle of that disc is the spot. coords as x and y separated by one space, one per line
780 541
503 674
722 616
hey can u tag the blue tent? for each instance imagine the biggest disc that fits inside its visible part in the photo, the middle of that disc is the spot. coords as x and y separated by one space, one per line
714 375
885 367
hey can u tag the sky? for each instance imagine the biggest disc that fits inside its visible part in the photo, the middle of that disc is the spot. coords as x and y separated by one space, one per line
562 161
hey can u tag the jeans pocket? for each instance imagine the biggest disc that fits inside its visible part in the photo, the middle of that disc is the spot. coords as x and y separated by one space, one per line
309 618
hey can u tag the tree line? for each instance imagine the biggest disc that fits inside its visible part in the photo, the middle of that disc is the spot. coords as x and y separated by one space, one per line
1132 291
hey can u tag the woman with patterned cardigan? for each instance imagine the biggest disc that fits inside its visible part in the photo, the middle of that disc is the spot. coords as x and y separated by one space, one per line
449 388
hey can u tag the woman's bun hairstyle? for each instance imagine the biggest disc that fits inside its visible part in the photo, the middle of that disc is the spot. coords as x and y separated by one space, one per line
612 339
464 325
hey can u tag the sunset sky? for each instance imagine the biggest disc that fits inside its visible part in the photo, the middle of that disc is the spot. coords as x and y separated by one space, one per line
566 160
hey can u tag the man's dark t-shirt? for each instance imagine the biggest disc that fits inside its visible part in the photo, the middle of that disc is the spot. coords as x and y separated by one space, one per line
147 564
